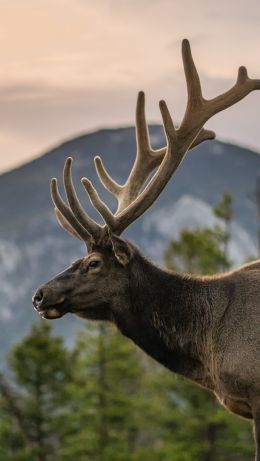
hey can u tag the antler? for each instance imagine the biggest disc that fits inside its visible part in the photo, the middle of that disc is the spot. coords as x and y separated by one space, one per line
132 200
146 161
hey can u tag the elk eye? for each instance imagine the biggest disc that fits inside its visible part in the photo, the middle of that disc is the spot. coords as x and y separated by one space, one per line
93 264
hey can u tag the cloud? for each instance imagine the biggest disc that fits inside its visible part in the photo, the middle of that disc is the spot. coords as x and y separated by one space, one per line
68 66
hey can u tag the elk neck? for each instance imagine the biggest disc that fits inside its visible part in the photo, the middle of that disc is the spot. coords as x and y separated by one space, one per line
171 316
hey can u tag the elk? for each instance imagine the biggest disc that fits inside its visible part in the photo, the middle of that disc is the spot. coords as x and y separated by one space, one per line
203 328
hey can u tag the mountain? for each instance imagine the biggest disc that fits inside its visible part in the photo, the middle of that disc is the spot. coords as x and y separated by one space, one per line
33 247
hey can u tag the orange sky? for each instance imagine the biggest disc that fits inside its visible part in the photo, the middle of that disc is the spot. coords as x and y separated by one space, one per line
70 66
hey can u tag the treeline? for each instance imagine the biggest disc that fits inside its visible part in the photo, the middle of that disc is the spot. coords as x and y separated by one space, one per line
105 400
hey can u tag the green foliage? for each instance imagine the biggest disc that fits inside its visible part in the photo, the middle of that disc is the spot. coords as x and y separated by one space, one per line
197 427
223 209
204 250
105 394
197 251
40 370
13 446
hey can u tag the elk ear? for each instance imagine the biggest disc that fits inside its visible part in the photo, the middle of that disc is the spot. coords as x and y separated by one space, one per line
122 250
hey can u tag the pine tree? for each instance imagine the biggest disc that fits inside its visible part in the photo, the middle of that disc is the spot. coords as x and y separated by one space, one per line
197 251
203 250
33 398
113 412
224 211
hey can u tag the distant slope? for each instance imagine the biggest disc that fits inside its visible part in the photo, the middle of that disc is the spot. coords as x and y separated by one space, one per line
33 247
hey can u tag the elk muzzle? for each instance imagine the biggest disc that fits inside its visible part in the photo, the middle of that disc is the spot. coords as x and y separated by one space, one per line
47 303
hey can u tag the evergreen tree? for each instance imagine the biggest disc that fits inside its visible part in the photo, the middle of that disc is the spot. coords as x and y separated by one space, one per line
223 210
204 250
33 403
197 251
108 399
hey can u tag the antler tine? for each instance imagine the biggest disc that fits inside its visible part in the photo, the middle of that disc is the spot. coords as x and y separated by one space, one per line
243 86
80 214
199 110
192 77
96 201
65 224
142 134
109 183
148 157
204 135
66 212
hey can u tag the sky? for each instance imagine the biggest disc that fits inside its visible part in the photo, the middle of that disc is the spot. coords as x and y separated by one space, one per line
73 66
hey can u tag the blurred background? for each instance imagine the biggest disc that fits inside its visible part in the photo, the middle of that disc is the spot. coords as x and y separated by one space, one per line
69 77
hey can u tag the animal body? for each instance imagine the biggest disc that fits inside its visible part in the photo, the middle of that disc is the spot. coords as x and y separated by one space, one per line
206 329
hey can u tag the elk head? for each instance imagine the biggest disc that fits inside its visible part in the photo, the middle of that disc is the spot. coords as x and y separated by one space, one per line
97 284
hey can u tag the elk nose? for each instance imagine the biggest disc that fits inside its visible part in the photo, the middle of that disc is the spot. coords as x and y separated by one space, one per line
38 299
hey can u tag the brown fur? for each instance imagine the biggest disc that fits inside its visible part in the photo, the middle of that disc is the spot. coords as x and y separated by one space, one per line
204 328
